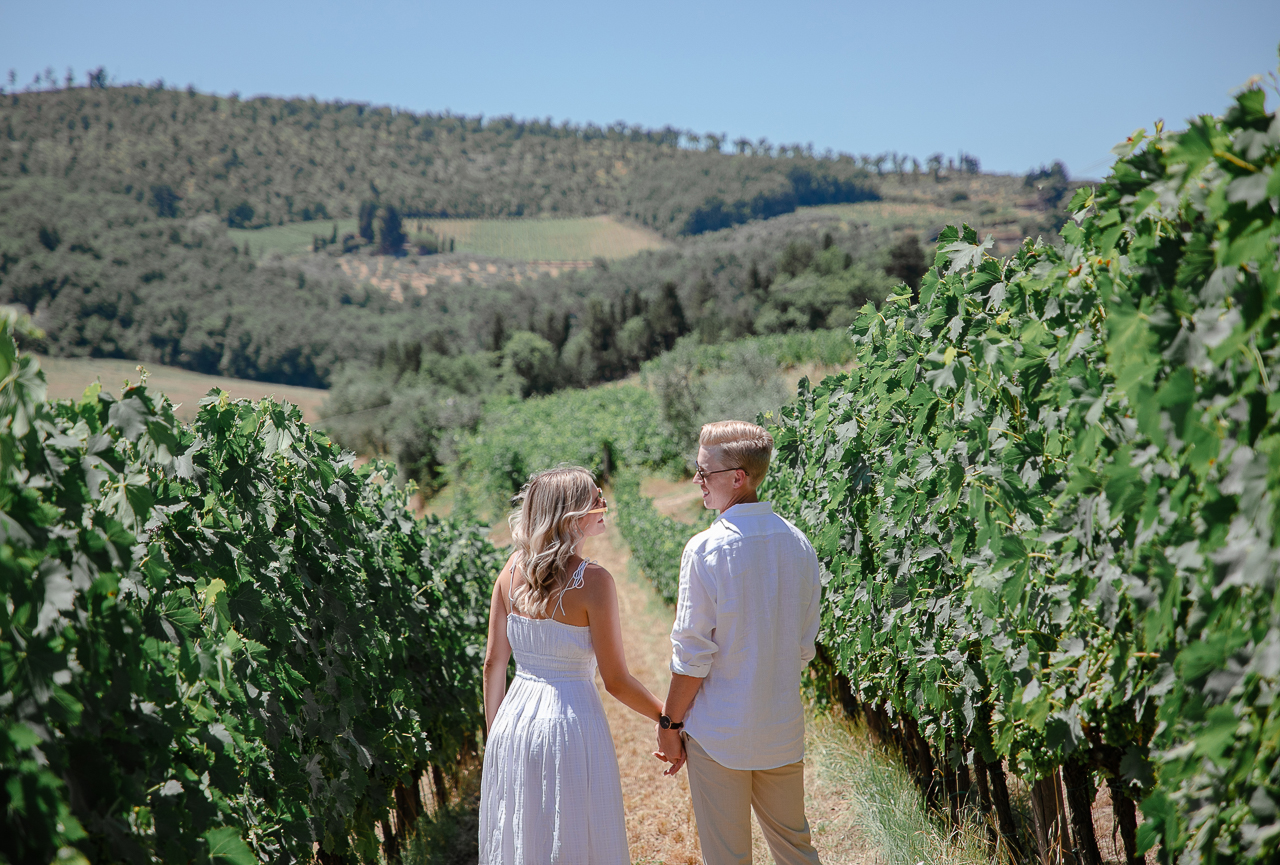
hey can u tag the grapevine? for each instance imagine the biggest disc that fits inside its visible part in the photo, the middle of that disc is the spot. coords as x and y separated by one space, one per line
223 640
1045 495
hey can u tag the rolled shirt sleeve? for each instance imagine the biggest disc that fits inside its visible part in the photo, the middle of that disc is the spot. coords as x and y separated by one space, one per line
693 644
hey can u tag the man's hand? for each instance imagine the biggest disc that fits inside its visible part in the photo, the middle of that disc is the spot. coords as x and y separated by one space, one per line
670 750
680 697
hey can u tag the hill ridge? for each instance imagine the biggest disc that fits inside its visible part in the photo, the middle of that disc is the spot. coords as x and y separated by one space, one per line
269 160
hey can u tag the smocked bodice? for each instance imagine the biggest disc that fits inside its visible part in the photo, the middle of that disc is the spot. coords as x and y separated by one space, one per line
550 650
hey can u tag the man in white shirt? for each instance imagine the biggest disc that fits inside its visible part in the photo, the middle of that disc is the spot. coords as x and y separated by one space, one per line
746 620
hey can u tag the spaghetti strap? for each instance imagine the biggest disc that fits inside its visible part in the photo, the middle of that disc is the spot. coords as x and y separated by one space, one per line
575 582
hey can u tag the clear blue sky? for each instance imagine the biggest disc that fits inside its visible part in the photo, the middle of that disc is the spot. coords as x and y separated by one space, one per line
1015 83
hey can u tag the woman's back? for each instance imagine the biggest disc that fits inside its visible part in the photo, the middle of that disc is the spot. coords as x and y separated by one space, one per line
548 646
550 789
563 603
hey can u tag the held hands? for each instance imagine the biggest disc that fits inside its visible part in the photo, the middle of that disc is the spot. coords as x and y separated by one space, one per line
670 749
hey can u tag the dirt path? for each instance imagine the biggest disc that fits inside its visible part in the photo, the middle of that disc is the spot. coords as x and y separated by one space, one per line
660 825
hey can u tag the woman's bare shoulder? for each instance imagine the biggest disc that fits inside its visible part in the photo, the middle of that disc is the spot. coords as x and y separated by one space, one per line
504 575
595 578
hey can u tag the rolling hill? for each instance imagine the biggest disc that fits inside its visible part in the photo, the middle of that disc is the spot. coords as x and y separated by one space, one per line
269 161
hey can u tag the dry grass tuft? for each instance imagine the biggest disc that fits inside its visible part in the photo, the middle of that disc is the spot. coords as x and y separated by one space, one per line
885 804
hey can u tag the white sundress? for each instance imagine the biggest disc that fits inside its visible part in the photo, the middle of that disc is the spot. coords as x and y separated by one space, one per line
550 793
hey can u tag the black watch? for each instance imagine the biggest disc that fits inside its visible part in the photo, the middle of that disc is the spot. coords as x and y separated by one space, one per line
665 722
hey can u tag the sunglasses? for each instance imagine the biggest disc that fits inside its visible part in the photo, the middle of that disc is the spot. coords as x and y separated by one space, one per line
604 503
701 474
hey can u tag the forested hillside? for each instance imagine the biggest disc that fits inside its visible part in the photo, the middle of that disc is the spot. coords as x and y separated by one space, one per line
106 277
116 203
414 398
268 161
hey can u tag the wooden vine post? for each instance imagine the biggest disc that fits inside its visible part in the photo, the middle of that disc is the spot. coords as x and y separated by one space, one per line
438 784
1048 813
920 758
1004 812
984 799
409 801
962 786
1080 792
1126 818
390 840
408 806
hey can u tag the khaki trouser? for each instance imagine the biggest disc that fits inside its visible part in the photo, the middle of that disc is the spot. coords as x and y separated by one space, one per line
724 798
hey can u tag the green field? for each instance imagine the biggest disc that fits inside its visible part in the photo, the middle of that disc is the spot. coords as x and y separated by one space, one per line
69 376
576 239
288 239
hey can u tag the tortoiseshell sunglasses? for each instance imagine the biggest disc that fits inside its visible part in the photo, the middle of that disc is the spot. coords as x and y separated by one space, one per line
604 504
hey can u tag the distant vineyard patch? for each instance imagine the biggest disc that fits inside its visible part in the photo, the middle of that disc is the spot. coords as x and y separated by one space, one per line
575 239
290 239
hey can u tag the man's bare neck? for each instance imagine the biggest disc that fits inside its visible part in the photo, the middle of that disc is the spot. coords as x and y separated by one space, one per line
747 498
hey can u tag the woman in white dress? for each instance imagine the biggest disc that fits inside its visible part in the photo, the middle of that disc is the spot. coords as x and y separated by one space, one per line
550 791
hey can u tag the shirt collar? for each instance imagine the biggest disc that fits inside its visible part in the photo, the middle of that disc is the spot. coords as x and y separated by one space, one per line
747 509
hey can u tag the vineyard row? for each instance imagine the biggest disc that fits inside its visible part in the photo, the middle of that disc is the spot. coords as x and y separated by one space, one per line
220 642
1045 497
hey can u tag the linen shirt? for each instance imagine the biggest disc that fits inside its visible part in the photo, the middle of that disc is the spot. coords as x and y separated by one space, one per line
746 620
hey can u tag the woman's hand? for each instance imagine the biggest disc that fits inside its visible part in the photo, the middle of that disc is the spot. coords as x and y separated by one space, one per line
670 750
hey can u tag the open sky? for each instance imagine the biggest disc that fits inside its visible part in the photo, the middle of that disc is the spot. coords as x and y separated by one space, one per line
1017 84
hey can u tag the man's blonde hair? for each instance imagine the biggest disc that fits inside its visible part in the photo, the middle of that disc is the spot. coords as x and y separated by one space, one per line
743 445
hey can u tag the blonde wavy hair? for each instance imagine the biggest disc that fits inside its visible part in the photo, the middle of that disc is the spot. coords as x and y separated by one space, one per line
545 530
